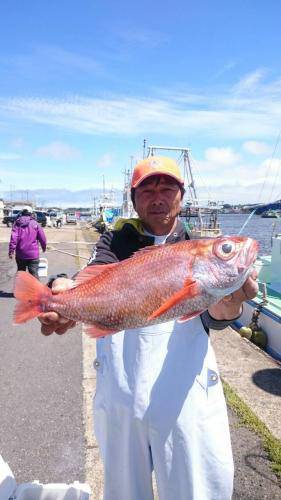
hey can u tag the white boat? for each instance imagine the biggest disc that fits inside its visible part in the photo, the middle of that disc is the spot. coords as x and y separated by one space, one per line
106 211
270 214
268 300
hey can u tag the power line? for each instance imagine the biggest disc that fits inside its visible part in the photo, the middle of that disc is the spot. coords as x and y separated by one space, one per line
269 166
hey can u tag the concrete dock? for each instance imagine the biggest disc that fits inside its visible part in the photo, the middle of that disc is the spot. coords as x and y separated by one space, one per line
254 376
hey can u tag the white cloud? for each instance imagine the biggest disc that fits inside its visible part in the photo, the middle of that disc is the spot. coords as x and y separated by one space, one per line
241 182
256 147
221 156
58 151
9 157
105 161
132 116
270 169
250 81
224 116
275 163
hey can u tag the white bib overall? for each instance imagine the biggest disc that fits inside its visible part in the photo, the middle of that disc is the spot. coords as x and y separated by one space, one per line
159 405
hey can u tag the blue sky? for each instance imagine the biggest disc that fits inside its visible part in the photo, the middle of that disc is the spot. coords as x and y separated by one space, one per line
83 83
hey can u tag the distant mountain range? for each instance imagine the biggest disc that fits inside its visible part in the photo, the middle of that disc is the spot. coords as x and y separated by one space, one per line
61 198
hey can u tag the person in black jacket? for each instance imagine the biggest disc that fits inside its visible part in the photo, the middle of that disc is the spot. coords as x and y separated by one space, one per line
159 403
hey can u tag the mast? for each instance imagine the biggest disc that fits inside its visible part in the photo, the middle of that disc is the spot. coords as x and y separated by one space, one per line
187 172
191 185
103 185
144 149
187 167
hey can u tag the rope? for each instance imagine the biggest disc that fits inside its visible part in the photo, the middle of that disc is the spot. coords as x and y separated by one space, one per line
276 175
52 249
269 167
247 220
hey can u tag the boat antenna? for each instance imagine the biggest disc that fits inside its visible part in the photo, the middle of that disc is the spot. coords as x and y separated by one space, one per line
144 149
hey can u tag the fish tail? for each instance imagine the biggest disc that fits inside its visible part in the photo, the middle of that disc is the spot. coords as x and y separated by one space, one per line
31 295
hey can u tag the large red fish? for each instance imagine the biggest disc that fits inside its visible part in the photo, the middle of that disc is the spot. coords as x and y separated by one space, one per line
156 284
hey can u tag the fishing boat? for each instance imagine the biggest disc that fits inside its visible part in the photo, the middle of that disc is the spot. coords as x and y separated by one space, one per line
266 307
127 207
205 224
204 213
270 214
107 211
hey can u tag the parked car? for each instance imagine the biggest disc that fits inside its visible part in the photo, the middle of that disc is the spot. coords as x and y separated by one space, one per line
71 218
40 217
11 217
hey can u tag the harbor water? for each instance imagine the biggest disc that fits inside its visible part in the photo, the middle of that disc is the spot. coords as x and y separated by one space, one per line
261 229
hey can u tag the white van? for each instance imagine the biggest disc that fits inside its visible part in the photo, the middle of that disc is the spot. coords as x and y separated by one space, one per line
71 218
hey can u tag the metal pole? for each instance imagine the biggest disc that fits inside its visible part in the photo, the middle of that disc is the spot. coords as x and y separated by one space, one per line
103 185
144 149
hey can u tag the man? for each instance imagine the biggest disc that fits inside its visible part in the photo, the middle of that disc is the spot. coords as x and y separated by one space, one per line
26 236
159 402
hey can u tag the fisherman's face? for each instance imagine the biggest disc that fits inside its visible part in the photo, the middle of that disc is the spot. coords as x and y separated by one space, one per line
158 202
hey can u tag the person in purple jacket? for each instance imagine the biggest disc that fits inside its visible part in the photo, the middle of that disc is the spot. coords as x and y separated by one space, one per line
25 238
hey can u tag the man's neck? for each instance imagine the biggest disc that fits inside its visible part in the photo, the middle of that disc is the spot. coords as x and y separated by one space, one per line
161 231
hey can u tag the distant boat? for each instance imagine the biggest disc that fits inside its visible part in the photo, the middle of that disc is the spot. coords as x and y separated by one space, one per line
106 212
270 214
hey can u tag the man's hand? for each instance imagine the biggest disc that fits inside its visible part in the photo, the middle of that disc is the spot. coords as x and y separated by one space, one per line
230 307
52 321
10 256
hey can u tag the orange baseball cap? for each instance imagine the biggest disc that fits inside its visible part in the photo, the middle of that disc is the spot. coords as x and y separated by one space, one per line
155 165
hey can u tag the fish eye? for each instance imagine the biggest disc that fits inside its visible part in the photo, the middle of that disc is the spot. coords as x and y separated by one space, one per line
224 249
227 247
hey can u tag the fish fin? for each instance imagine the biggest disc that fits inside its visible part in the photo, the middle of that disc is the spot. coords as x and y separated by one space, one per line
189 290
24 311
91 272
29 292
187 317
96 331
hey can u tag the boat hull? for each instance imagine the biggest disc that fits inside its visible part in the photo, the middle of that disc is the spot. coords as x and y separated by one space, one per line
269 321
